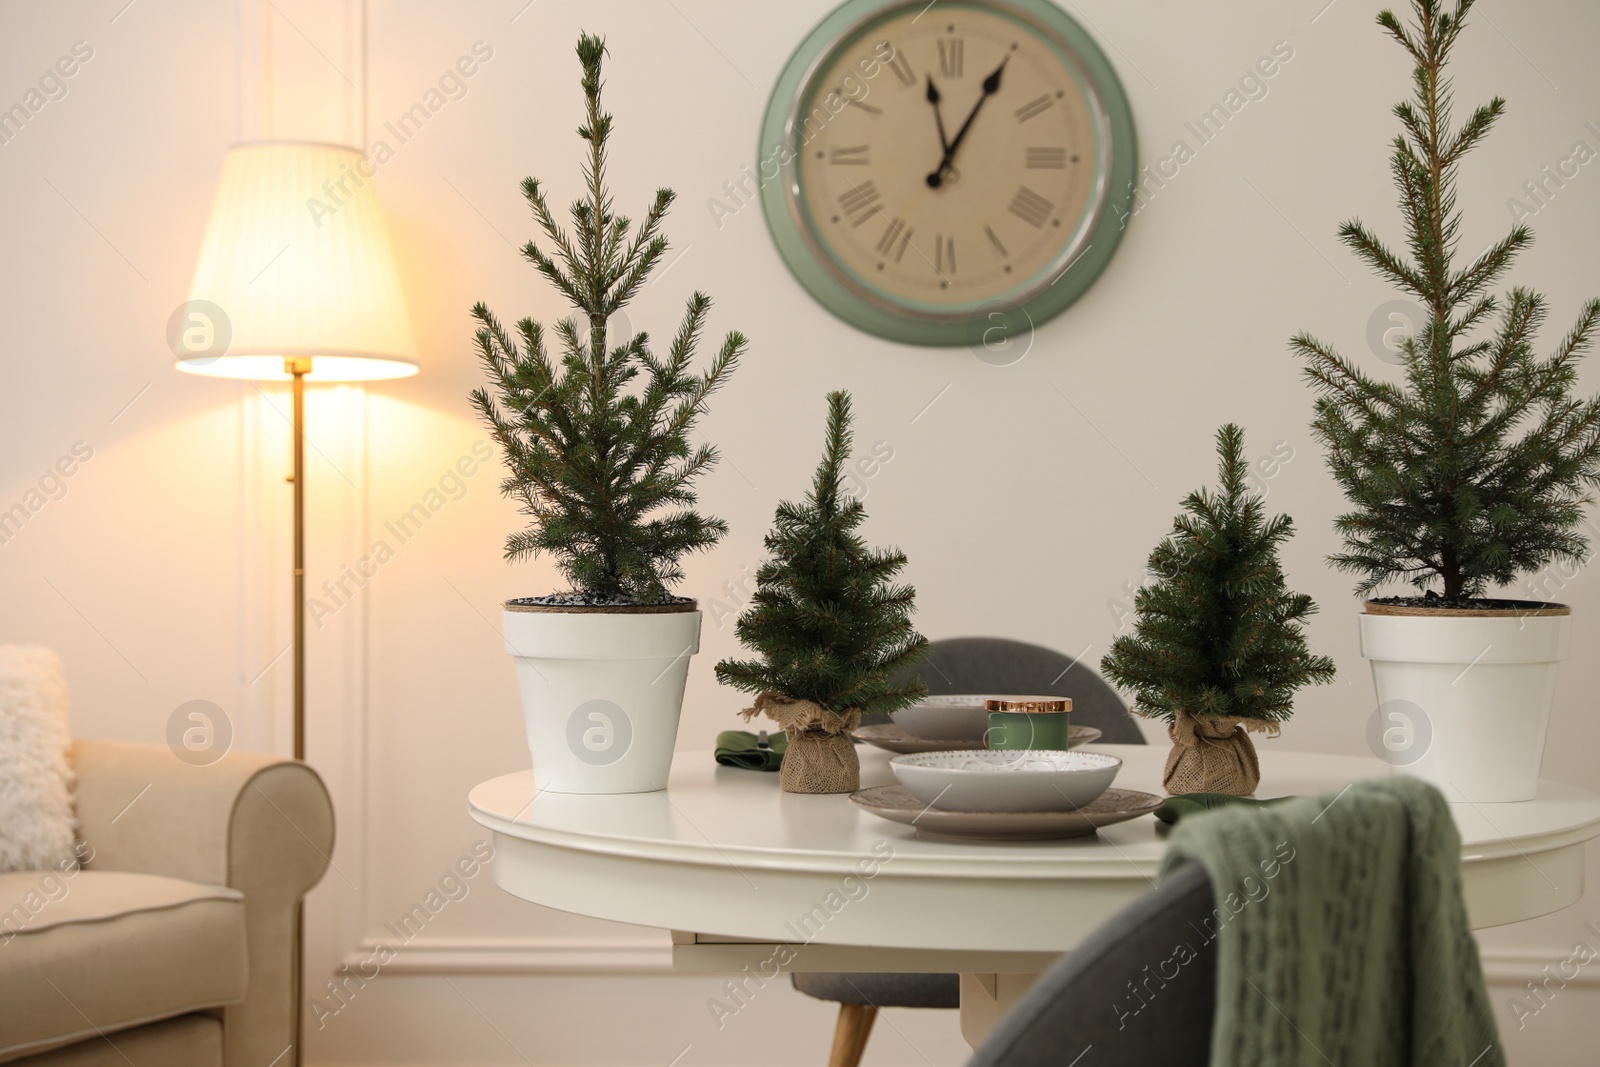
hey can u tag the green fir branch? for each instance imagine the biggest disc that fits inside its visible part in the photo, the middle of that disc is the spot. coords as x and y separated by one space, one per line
597 440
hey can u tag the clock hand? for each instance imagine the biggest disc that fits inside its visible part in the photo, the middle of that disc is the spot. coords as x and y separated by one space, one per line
991 85
933 98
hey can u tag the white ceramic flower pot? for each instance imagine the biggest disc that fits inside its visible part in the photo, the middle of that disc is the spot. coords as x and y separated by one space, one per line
601 694
1463 701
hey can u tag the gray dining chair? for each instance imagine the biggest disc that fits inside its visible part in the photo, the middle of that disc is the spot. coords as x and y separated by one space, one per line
967 665
1125 997
1000 665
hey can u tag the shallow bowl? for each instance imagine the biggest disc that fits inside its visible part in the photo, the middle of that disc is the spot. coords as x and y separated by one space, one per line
959 717
1035 780
950 717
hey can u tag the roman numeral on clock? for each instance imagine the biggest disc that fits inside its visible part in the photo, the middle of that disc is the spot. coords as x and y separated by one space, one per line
1038 105
902 68
850 155
1030 207
895 239
999 249
864 106
951 56
1046 158
860 203
944 254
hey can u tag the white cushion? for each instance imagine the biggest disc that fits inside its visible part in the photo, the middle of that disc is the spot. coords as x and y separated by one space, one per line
36 823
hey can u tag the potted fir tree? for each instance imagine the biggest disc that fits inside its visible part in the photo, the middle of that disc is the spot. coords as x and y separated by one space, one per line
1218 649
597 444
1473 468
830 629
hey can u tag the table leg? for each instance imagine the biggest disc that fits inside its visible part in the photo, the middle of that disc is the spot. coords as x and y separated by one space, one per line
985 999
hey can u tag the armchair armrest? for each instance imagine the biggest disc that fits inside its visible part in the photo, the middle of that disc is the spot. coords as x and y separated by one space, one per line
258 823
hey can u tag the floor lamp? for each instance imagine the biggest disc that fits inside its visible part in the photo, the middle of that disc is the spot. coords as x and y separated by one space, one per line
296 282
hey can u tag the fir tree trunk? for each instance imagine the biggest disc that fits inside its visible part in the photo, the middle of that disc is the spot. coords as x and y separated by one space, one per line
1454 584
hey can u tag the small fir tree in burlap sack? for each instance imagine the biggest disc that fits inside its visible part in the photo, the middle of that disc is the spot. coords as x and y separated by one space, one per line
831 630
1218 650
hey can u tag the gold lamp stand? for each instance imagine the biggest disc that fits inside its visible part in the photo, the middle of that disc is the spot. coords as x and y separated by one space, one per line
297 368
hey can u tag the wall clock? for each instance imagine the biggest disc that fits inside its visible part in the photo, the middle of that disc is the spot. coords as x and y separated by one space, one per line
941 174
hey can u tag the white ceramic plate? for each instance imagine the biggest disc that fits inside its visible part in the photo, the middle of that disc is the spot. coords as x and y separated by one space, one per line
897 804
1031 780
957 717
894 738
950 717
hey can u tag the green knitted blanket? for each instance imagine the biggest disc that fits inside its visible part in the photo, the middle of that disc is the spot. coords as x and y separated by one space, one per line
1341 933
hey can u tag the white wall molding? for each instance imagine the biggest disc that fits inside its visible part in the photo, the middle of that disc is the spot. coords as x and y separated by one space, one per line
522 956
547 956
336 650
1517 968
301 70
302 75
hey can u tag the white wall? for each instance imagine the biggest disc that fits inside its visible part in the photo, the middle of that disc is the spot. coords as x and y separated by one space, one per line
158 575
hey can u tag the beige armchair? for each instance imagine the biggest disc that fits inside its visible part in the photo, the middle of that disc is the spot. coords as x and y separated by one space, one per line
176 944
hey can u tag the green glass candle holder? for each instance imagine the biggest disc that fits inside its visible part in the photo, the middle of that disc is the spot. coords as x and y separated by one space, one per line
1021 723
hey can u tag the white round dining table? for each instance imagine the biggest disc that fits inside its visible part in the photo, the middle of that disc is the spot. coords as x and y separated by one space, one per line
753 881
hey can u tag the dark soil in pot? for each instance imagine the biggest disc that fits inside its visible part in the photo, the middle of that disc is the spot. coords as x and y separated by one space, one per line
1433 604
590 602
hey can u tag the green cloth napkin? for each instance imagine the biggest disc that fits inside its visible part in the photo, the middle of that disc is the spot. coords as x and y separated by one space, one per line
1341 933
741 748
1194 803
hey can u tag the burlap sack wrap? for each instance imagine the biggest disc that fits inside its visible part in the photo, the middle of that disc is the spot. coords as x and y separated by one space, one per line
1213 755
820 758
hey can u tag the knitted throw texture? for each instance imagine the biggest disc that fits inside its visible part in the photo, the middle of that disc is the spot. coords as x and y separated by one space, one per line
1341 932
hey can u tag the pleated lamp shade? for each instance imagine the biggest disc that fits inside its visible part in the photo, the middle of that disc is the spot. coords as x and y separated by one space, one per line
297 264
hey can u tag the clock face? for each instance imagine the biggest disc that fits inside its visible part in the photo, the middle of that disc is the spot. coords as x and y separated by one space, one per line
943 162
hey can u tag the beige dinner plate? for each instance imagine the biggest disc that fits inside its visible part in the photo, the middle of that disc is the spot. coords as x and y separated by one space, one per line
898 739
898 804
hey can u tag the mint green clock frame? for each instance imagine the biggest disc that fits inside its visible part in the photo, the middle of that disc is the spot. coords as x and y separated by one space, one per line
1032 300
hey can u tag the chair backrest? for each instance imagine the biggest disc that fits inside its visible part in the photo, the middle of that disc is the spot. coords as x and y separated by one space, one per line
1140 990
1000 665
